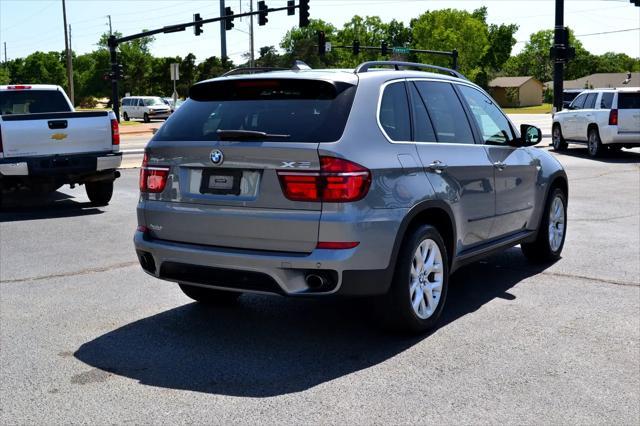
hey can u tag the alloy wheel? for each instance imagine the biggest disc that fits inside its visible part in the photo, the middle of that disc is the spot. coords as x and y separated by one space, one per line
426 278
556 223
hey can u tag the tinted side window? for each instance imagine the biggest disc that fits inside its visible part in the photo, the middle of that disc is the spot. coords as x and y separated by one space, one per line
422 125
394 112
629 100
139 103
447 115
578 102
126 102
606 101
494 126
590 102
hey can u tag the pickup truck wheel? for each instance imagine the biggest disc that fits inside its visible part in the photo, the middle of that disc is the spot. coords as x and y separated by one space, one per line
553 230
146 118
594 143
209 296
559 144
99 193
419 288
125 116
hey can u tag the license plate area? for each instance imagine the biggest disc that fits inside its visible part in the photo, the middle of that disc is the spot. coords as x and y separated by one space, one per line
220 182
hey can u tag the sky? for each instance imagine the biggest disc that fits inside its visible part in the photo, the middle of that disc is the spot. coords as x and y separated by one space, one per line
31 25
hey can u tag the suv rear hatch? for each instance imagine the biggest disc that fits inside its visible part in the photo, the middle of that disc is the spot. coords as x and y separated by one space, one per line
629 112
223 148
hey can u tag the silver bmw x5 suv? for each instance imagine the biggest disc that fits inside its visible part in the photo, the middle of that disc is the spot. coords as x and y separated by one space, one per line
373 182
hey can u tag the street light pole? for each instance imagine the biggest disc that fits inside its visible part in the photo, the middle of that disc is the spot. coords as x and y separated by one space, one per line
223 33
68 53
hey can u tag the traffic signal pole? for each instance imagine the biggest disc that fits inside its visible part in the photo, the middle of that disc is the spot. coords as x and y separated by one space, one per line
558 63
113 42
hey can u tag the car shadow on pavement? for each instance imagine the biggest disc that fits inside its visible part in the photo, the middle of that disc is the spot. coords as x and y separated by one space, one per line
621 157
268 346
29 206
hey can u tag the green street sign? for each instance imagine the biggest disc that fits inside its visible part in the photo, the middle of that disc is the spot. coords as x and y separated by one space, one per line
401 50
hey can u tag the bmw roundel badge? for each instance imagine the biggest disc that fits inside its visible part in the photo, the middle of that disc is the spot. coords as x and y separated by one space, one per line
216 157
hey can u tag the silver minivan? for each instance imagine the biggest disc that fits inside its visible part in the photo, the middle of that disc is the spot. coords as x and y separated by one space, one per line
366 182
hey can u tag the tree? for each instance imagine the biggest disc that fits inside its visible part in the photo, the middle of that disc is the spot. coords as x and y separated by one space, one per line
213 67
450 29
302 44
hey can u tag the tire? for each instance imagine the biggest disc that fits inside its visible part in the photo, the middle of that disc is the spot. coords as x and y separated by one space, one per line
547 247
408 286
209 296
125 116
99 193
594 144
146 118
559 144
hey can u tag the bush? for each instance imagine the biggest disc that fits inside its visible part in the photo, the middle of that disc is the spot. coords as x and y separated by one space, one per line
87 102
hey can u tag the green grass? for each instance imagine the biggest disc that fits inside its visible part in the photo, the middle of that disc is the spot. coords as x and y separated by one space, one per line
130 123
540 109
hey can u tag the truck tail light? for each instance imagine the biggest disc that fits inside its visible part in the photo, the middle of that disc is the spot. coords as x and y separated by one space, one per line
338 181
613 117
115 132
153 179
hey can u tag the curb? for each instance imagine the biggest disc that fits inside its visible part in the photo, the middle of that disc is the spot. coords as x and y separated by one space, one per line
132 151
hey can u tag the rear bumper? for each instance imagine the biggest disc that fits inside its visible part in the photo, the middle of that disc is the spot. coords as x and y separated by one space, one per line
60 165
260 271
609 135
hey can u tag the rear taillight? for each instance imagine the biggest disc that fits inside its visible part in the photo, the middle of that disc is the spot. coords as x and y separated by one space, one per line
115 132
338 181
613 117
153 179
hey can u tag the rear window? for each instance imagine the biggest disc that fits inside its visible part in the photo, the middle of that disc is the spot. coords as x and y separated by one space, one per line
628 100
32 102
305 110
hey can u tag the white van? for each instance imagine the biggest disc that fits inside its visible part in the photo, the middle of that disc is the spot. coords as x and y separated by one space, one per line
144 107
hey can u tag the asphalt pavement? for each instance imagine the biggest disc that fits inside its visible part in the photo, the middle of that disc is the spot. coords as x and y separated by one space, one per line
86 336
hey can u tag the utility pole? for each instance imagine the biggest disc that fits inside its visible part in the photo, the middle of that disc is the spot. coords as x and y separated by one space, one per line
66 47
110 29
558 62
71 88
223 33
252 61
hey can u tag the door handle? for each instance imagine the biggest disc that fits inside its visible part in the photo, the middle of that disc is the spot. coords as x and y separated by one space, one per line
57 124
499 165
437 166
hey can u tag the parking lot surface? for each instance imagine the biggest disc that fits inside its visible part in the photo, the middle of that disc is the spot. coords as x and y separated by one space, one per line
86 336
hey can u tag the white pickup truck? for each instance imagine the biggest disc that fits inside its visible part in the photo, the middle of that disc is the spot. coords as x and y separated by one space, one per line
45 144
600 119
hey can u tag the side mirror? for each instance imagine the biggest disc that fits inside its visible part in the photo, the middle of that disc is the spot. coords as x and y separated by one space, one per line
531 135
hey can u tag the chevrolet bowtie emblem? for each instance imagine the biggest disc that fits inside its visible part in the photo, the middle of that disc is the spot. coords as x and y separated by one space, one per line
58 136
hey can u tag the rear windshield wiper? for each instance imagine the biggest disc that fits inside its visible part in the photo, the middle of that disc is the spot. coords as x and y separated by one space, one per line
247 135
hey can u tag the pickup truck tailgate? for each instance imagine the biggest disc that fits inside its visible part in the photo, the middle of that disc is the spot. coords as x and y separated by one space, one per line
26 135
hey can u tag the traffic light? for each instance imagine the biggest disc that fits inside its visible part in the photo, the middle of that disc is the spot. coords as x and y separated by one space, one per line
228 23
304 13
116 73
197 29
384 48
262 13
322 43
356 47
291 7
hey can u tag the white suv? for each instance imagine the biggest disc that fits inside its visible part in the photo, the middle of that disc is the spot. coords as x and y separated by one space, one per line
600 118
145 107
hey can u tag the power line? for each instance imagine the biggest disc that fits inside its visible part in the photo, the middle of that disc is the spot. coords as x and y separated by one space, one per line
608 32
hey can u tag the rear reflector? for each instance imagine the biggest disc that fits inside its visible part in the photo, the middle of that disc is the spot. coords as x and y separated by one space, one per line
337 245
153 179
115 132
142 229
19 87
613 117
337 181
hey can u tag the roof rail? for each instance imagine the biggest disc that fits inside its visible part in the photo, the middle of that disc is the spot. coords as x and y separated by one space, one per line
365 66
250 70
